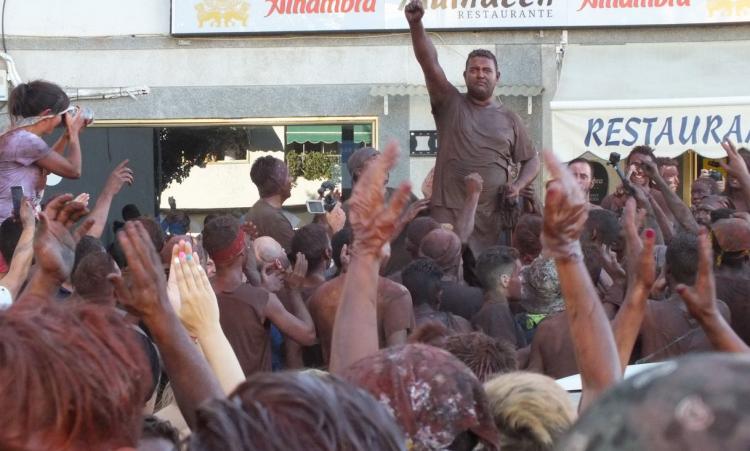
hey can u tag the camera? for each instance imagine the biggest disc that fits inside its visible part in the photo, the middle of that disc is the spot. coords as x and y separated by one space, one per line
716 175
614 158
88 114
326 191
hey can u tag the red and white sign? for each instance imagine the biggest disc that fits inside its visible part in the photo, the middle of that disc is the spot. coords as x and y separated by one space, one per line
195 17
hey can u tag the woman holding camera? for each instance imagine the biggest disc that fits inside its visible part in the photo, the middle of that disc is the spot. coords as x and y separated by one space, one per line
36 108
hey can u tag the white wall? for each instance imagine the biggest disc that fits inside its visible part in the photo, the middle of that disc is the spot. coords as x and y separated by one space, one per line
233 66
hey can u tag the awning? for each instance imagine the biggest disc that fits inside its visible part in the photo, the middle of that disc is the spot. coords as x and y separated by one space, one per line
421 90
326 133
673 97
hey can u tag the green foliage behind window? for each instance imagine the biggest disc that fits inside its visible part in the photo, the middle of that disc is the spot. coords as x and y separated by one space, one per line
314 165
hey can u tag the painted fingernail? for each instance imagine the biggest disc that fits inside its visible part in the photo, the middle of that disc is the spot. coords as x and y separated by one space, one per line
650 233
176 261
188 257
182 256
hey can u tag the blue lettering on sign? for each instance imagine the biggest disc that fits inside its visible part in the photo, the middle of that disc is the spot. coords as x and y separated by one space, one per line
611 130
666 130
599 123
633 133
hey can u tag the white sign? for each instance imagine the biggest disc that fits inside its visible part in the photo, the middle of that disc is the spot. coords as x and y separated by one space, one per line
194 17
669 130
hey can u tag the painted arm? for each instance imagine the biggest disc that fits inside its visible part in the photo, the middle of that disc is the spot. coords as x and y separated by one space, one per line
54 245
737 168
467 214
427 57
681 212
701 302
121 175
355 331
192 380
529 170
23 254
565 213
641 272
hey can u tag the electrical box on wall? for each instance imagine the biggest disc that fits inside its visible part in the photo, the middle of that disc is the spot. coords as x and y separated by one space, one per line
3 86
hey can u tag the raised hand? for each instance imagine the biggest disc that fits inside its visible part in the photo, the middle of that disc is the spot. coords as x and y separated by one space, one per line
55 241
250 230
374 222
119 176
199 310
414 11
414 209
26 213
75 122
565 212
146 297
701 297
736 166
336 218
272 276
295 277
474 183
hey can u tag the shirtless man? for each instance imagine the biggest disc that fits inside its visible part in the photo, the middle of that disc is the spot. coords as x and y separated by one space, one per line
271 176
639 176
498 269
477 134
247 311
394 303
668 329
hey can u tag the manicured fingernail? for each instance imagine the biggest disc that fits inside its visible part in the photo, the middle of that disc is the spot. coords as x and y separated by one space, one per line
182 256
176 261
188 256
650 233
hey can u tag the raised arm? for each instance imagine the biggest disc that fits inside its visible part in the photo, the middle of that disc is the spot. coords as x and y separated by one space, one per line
467 214
23 255
54 245
355 330
641 275
199 313
437 84
565 213
701 302
680 211
121 175
296 323
56 162
737 168
146 297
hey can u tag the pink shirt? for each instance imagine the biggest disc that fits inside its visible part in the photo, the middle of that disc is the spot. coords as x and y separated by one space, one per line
19 151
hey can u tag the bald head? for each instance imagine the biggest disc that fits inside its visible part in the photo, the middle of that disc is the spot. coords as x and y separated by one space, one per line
444 247
267 250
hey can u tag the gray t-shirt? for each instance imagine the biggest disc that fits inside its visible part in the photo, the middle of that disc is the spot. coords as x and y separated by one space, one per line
19 151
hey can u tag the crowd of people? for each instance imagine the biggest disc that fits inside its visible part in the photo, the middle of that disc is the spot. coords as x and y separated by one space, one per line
388 323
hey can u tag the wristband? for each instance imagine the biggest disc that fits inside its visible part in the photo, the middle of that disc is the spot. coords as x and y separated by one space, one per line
570 251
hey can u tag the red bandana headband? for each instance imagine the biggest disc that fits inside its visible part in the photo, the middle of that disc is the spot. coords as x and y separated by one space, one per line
232 250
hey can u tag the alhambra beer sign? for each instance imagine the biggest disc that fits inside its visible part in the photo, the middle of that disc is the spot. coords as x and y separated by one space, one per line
195 17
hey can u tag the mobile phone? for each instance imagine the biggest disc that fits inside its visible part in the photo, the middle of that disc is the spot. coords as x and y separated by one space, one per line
713 164
315 207
16 193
